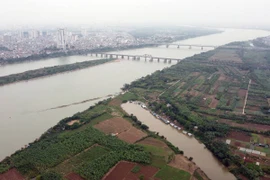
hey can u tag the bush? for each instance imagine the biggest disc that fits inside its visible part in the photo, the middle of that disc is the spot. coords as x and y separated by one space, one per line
136 169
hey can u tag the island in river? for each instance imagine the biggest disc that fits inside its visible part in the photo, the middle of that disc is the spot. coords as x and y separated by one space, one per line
48 71
90 143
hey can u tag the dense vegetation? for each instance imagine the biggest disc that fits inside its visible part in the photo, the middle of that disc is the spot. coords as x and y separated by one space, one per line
49 71
184 92
50 151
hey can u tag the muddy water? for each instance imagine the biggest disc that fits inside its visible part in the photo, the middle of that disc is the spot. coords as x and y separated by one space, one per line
191 147
28 108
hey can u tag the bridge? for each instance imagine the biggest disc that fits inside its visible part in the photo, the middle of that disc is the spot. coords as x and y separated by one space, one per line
187 45
202 46
135 57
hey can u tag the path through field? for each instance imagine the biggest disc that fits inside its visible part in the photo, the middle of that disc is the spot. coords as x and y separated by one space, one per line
245 103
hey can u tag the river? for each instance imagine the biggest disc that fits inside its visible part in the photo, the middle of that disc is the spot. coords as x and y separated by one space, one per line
191 147
26 112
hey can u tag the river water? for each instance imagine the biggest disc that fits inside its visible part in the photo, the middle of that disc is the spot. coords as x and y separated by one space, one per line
191 147
26 112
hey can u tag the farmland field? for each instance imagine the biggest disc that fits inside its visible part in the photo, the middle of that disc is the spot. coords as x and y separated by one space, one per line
12 174
171 173
123 170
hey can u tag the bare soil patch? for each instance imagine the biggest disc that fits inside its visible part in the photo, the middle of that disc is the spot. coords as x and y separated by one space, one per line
242 93
113 125
122 171
222 77
265 178
11 174
132 135
195 73
122 128
119 171
180 162
73 176
115 102
213 103
72 122
241 136
226 56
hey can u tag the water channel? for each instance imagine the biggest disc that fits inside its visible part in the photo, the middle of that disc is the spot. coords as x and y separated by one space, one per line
191 147
26 107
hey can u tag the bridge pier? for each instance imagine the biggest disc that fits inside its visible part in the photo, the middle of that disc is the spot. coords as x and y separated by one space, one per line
167 45
151 59
202 48
96 55
190 47
170 61
111 56
178 46
138 58
122 56
165 60
158 59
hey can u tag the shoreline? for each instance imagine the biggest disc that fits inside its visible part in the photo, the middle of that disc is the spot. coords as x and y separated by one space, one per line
87 51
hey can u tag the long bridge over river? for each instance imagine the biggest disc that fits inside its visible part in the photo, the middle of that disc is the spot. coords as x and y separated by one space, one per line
202 46
135 57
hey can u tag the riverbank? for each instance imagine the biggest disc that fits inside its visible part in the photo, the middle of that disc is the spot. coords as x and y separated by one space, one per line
48 71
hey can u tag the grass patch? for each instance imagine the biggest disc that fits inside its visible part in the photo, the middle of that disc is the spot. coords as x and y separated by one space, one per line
136 169
255 138
154 150
100 119
128 96
158 161
170 173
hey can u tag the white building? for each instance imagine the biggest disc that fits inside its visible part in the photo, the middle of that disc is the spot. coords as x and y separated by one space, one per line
61 39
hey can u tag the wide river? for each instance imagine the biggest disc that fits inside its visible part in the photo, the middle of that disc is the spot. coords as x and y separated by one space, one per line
26 112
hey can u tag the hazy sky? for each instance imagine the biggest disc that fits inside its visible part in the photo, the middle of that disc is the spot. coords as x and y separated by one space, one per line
67 12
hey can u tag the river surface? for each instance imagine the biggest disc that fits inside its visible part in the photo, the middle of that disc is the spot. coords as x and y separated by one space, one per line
26 107
191 147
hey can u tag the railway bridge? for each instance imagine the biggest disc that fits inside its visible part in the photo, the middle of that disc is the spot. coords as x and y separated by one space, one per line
146 57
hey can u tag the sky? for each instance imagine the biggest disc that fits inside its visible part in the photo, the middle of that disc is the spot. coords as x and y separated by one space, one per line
121 12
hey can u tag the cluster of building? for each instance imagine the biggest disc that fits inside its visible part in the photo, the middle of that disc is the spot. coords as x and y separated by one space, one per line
21 44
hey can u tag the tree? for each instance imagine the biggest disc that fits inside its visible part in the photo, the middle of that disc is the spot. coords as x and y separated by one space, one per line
145 127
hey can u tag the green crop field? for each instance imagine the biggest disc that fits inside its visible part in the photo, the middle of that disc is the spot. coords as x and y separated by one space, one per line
170 173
